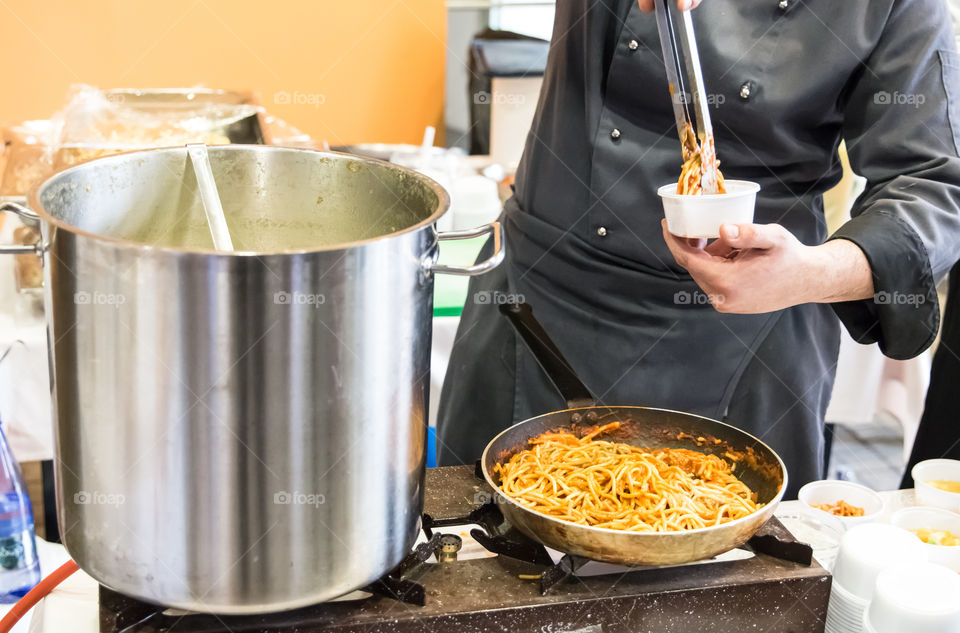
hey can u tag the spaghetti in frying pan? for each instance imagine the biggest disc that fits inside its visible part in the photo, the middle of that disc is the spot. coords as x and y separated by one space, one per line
615 485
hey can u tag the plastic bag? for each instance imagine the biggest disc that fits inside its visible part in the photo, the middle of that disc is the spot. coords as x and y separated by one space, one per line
96 122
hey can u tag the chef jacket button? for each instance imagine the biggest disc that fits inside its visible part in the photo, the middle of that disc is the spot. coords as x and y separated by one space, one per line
602 231
745 90
634 44
614 133
784 5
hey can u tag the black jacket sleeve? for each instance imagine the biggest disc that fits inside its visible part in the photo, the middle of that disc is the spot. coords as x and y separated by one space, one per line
902 127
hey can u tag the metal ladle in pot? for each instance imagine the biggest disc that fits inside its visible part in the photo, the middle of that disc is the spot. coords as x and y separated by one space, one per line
210 197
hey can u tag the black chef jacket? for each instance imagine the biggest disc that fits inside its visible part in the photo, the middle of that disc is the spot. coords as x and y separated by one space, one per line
788 79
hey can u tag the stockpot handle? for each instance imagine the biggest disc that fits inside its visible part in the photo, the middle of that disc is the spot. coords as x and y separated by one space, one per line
494 229
28 217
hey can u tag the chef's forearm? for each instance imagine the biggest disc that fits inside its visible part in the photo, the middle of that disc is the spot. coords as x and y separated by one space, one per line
838 271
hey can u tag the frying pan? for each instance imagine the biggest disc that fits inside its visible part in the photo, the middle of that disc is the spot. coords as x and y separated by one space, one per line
759 467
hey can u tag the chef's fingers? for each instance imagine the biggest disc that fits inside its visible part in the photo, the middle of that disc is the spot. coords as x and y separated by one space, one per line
719 248
677 247
683 5
684 250
745 236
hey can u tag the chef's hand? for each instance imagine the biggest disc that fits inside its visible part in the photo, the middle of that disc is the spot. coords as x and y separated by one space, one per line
756 268
683 5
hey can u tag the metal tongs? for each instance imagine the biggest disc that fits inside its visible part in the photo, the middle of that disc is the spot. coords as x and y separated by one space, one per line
687 87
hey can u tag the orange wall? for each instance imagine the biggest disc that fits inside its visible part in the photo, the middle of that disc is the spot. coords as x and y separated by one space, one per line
364 70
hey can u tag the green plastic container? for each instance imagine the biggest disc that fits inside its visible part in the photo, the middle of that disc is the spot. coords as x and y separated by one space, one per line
450 291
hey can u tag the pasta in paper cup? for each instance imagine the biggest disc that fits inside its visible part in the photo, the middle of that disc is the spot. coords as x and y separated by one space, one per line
702 215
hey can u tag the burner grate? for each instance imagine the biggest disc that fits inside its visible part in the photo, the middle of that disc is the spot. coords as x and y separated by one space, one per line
477 594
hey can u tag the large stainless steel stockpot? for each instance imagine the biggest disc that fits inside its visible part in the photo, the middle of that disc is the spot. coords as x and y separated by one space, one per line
240 432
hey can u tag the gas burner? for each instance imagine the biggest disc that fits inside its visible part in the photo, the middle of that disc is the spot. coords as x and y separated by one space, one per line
129 615
772 540
474 572
395 587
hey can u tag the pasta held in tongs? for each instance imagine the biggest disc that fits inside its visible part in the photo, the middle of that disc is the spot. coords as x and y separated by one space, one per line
701 169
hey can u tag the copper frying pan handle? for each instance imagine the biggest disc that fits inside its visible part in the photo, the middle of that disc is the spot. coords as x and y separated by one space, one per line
548 356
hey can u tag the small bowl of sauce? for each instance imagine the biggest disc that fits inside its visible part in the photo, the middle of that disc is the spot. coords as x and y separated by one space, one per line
937 482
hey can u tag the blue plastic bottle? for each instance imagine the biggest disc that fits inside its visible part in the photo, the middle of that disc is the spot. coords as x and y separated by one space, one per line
19 565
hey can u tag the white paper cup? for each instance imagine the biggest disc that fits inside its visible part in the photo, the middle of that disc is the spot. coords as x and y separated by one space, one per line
866 550
933 519
821 492
937 469
915 598
701 216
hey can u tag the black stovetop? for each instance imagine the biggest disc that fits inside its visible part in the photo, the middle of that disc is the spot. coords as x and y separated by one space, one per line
761 593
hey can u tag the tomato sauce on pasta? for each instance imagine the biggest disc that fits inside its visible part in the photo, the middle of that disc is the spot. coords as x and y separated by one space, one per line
619 486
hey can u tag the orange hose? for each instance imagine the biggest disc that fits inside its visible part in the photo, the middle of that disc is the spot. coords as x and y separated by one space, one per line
33 596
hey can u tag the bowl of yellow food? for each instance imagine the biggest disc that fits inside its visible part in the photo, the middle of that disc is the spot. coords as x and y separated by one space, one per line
849 502
937 482
939 530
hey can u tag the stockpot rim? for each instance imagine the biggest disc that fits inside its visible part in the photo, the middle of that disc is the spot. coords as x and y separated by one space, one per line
34 205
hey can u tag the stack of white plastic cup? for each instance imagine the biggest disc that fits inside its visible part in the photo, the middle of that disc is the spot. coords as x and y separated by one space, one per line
865 551
915 598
